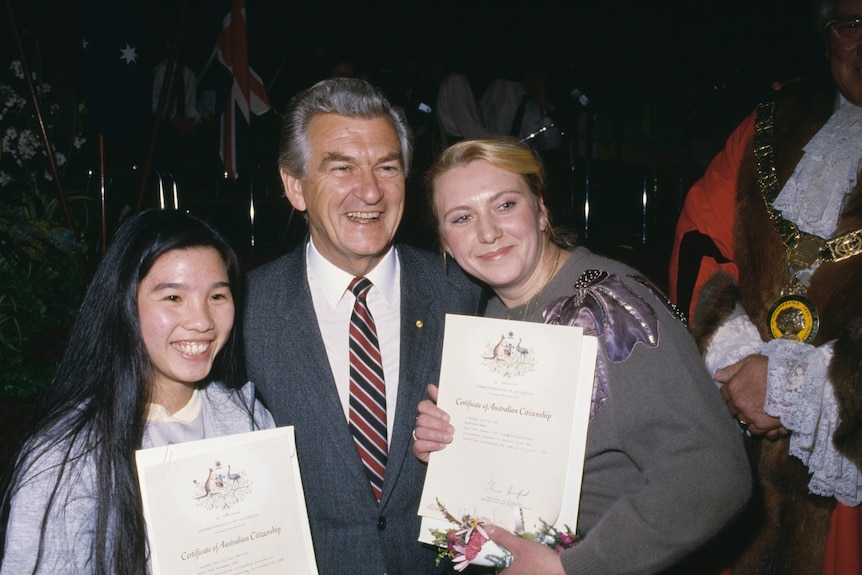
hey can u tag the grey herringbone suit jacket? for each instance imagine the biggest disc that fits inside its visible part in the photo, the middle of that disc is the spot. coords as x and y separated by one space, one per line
286 359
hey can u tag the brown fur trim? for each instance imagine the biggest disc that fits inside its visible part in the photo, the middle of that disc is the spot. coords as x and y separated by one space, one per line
787 530
715 303
845 372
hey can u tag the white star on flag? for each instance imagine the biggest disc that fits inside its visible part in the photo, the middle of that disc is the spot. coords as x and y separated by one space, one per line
128 54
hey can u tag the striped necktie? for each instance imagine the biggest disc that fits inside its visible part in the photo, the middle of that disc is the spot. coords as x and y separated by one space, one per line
367 388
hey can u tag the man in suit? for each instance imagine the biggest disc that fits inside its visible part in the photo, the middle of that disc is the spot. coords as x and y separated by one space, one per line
345 152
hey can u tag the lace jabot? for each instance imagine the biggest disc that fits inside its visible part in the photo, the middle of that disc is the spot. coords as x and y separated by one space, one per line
814 195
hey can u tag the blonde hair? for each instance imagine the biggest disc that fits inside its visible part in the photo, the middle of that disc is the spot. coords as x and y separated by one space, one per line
507 154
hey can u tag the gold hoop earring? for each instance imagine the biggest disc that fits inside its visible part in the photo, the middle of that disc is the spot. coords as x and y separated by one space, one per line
447 255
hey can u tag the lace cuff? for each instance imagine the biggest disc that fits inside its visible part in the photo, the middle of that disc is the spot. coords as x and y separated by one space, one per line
799 393
735 339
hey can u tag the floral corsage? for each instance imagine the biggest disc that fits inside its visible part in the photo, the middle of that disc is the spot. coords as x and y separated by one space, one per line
468 542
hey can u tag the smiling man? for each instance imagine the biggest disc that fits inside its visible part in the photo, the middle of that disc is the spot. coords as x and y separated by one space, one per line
344 332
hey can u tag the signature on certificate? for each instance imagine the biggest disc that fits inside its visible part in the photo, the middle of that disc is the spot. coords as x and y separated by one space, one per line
510 491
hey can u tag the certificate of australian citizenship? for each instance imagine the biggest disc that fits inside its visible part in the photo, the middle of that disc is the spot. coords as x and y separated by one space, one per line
231 504
518 395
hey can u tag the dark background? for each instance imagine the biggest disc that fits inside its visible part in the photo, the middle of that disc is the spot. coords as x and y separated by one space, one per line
658 74
618 45
667 82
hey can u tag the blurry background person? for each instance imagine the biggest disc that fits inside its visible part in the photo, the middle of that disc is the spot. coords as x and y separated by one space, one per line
457 105
181 107
185 135
521 109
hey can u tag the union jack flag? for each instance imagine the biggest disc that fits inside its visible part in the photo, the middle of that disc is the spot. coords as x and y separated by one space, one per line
247 93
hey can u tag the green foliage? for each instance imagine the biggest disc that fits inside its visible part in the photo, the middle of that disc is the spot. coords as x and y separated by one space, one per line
41 260
41 287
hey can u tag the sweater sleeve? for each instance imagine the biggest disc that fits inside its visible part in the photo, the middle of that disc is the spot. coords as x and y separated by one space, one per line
68 538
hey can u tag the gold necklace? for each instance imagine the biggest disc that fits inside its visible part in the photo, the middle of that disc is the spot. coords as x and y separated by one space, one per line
534 301
804 250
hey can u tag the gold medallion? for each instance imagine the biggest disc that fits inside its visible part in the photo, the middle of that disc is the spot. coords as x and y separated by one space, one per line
794 317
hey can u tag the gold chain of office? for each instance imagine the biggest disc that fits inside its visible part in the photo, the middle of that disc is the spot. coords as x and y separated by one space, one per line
804 249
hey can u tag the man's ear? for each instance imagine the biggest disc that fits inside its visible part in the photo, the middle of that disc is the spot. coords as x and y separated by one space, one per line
292 190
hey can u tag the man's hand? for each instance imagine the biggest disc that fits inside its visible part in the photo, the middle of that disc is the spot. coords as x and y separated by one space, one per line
530 557
744 390
432 431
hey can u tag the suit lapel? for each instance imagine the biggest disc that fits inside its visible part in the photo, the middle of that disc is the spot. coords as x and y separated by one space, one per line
312 374
421 326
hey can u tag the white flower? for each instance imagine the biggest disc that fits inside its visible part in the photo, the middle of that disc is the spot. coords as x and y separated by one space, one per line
11 99
6 95
10 136
28 145
20 137
17 69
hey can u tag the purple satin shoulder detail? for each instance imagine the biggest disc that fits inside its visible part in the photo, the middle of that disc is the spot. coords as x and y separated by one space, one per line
603 305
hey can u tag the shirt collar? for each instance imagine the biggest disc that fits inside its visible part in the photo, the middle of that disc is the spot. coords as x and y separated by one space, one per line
333 281
841 101
188 413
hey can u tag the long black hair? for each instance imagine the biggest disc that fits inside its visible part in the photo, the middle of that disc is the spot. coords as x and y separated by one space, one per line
94 408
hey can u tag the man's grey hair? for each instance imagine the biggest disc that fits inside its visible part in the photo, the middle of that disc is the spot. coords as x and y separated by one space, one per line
349 97
823 12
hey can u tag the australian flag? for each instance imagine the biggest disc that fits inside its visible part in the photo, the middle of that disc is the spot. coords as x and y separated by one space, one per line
111 65
247 93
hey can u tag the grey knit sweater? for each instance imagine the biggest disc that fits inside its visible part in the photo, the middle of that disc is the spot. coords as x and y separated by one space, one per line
665 468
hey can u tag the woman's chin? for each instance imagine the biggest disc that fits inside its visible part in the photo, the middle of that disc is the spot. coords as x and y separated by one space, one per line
493 276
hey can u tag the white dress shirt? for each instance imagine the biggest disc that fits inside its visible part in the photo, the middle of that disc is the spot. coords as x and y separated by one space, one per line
457 110
499 105
189 91
333 305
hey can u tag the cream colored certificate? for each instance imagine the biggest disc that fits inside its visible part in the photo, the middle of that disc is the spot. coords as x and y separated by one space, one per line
518 395
231 504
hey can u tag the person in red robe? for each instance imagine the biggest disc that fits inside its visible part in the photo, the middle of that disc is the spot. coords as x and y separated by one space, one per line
767 262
